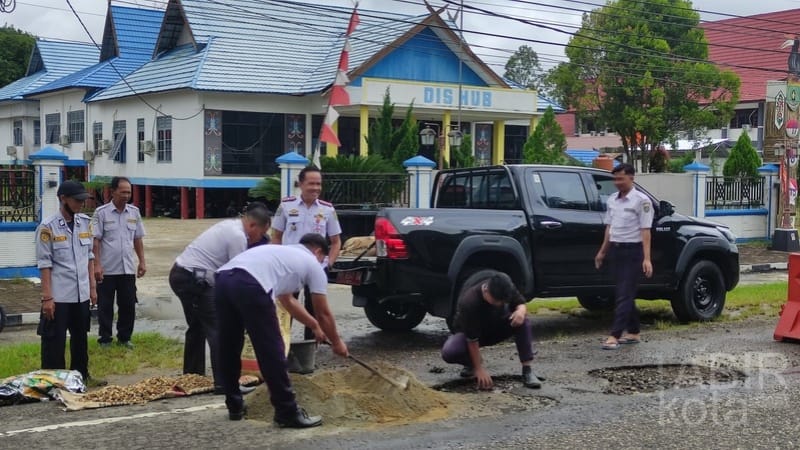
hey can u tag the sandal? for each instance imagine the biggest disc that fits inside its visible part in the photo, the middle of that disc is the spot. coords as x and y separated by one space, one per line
611 345
626 340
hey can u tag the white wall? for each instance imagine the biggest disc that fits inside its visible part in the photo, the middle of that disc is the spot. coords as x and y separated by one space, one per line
744 227
187 136
18 249
26 111
63 102
677 188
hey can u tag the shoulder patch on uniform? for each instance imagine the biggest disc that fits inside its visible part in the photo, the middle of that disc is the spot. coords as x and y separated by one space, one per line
289 199
45 235
324 203
646 206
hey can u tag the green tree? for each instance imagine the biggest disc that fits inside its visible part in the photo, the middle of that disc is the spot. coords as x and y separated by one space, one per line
15 49
547 143
461 156
523 68
643 68
743 160
268 189
389 141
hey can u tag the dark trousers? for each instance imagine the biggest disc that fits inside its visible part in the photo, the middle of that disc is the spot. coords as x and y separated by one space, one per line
72 317
243 305
124 286
307 332
626 262
497 329
197 299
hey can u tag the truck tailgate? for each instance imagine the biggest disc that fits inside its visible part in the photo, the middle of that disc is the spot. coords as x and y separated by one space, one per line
352 270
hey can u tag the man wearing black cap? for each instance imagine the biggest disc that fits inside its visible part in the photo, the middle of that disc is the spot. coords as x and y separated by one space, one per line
66 262
246 290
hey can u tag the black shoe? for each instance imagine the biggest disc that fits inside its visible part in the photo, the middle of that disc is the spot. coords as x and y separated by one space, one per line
300 419
529 379
238 415
219 390
126 344
467 372
104 344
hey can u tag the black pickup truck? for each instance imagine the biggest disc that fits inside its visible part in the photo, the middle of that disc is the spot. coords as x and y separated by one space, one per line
542 225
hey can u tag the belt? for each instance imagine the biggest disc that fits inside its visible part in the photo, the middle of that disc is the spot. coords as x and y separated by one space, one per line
626 244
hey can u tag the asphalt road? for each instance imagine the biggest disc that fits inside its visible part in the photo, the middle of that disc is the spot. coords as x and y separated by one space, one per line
760 412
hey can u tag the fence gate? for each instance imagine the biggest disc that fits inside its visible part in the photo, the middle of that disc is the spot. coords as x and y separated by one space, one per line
17 195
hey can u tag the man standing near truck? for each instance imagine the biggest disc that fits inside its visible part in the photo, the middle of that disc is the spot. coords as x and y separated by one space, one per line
629 217
488 313
298 216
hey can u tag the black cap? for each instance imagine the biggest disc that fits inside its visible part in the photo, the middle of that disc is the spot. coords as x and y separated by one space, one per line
73 189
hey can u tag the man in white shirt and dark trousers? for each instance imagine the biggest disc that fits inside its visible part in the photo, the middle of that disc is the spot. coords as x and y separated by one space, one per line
192 280
629 217
246 290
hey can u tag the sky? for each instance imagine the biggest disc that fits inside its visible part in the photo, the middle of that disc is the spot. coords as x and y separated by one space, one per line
53 19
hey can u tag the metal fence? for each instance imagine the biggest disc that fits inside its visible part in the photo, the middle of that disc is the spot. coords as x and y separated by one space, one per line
366 190
734 193
17 195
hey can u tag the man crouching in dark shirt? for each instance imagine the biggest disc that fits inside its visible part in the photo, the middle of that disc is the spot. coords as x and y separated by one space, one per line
489 313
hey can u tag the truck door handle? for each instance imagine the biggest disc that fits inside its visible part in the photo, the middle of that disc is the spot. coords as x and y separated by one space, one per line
550 224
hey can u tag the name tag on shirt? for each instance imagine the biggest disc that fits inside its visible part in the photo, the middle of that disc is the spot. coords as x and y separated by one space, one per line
59 238
84 235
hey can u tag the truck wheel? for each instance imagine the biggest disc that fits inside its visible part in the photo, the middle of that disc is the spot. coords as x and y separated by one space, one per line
596 302
701 293
394 316
2 318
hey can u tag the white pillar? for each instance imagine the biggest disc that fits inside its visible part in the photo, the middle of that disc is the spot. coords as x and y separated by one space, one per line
47 163
420 170
771 195
290 164
699 172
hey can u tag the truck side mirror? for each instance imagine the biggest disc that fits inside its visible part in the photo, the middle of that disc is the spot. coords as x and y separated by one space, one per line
666 208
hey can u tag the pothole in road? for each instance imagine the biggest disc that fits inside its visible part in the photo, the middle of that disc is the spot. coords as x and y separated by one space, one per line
507 395
652 378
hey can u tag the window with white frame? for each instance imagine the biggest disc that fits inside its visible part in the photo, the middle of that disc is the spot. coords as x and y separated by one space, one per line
140 140
75 126
52 128
97 135
118 151
164 130
18 133
37 133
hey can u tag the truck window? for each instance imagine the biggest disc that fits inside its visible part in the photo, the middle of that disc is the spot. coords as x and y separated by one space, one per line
454 192
477 190
605 188
562 190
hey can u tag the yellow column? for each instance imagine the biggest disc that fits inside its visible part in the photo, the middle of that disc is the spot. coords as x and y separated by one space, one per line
445 131
364 130
333 150
499 153
534 121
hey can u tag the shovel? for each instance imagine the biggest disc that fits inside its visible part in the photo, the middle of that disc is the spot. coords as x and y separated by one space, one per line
400 383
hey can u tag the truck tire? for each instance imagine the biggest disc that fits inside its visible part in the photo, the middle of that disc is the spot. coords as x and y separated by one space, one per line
392 316
596 302
701 293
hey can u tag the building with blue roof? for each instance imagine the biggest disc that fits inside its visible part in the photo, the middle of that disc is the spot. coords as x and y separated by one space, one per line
213 92
20 122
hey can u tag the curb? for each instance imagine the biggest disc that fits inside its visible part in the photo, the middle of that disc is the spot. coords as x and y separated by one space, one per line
750 268
15 320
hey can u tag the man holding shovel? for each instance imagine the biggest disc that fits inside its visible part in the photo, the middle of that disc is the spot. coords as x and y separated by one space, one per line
246 290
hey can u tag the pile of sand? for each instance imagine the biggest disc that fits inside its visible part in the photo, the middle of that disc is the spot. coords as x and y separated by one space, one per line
354 396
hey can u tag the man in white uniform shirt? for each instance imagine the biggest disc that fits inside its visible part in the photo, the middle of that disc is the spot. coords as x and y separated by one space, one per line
192 280
629 217
246 290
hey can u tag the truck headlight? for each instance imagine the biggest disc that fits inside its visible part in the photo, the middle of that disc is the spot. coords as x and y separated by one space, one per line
727 233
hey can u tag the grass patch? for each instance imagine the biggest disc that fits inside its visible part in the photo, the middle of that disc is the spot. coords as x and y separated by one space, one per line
744 302
150 350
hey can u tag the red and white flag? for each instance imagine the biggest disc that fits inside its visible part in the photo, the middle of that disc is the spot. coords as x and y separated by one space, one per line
338 94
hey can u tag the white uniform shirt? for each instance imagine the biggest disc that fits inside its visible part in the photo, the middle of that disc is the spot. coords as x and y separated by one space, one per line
628 216
116 232
295 219
67 253
214 247
282 269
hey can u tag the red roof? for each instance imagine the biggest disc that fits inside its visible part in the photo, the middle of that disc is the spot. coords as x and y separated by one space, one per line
761 36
